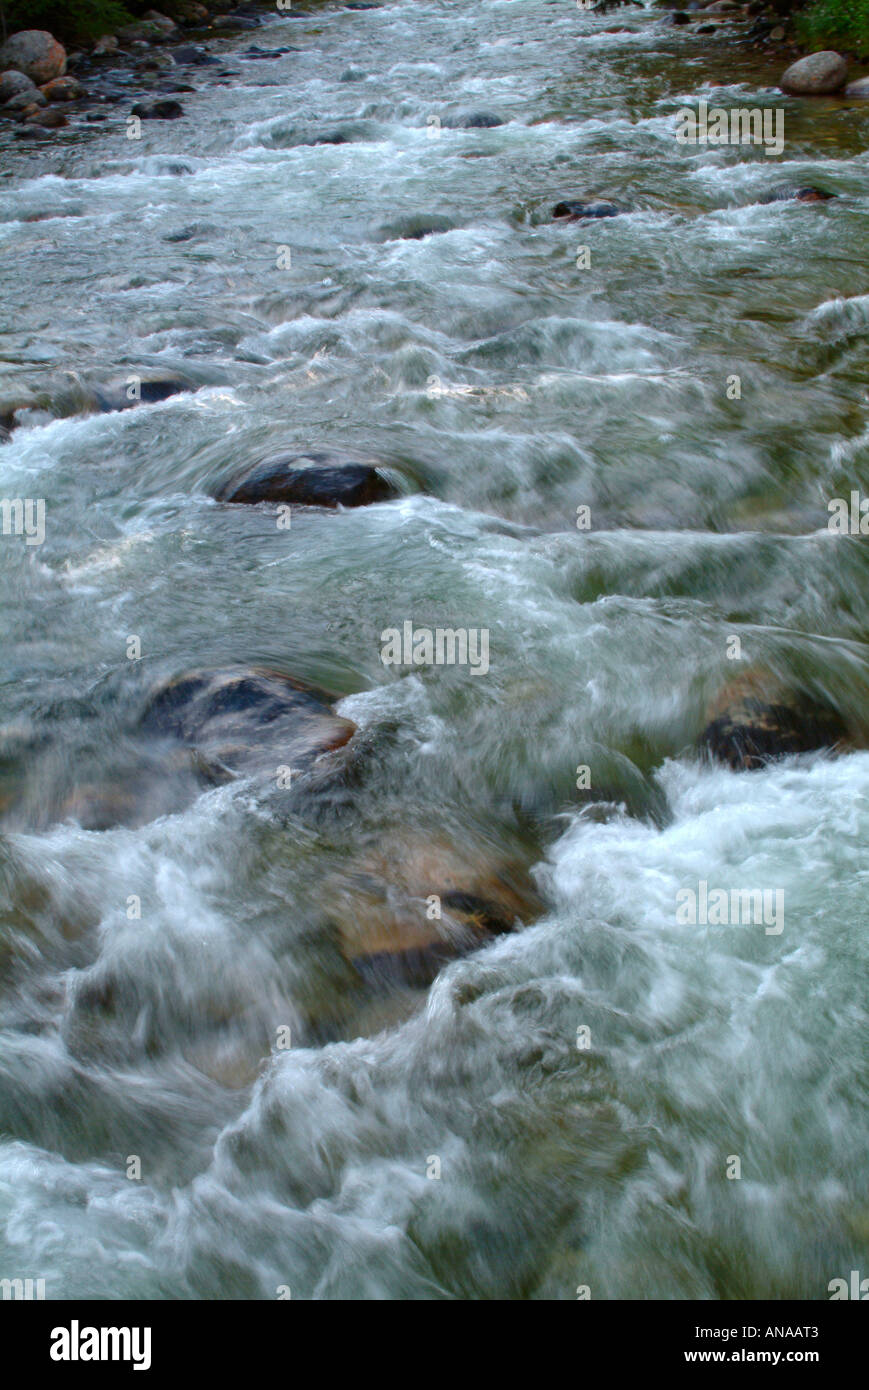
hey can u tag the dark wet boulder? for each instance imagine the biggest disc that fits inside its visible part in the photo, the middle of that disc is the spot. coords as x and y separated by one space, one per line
808 194
254 53
753 723
311 480
416 227
574 211
167 110
195 57
474 120
139 391
244 719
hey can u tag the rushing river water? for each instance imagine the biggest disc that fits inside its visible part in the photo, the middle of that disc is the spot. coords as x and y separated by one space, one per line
506 383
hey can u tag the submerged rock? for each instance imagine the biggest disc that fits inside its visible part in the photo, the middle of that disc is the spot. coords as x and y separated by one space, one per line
244 719
821 74
36 53
195 731
402 914
474 120
312 480
755 720
416 227
574 210
799 195
139 391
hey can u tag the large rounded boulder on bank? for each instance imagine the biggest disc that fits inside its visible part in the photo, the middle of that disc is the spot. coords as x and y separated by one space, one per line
36 53
821 74
755 720
311 480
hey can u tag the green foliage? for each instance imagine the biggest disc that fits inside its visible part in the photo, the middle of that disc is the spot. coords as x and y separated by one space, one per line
69 20
842 24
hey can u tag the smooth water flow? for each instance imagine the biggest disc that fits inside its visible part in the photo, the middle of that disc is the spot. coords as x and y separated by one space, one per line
561 1108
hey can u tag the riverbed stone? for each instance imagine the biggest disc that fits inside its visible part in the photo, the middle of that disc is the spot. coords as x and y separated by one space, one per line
403 913
31 96
36 53
417 226
49 120
244 719
195 57
317 479
474 120
61 89
167 110
860 88
139 391
574 210
806 194
756 719
13 83
820 74
144 31
162 21
186 12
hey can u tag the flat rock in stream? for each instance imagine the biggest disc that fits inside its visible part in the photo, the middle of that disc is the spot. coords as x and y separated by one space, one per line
312 480
755 720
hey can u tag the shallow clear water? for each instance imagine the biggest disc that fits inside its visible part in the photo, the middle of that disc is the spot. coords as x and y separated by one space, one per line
556 387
